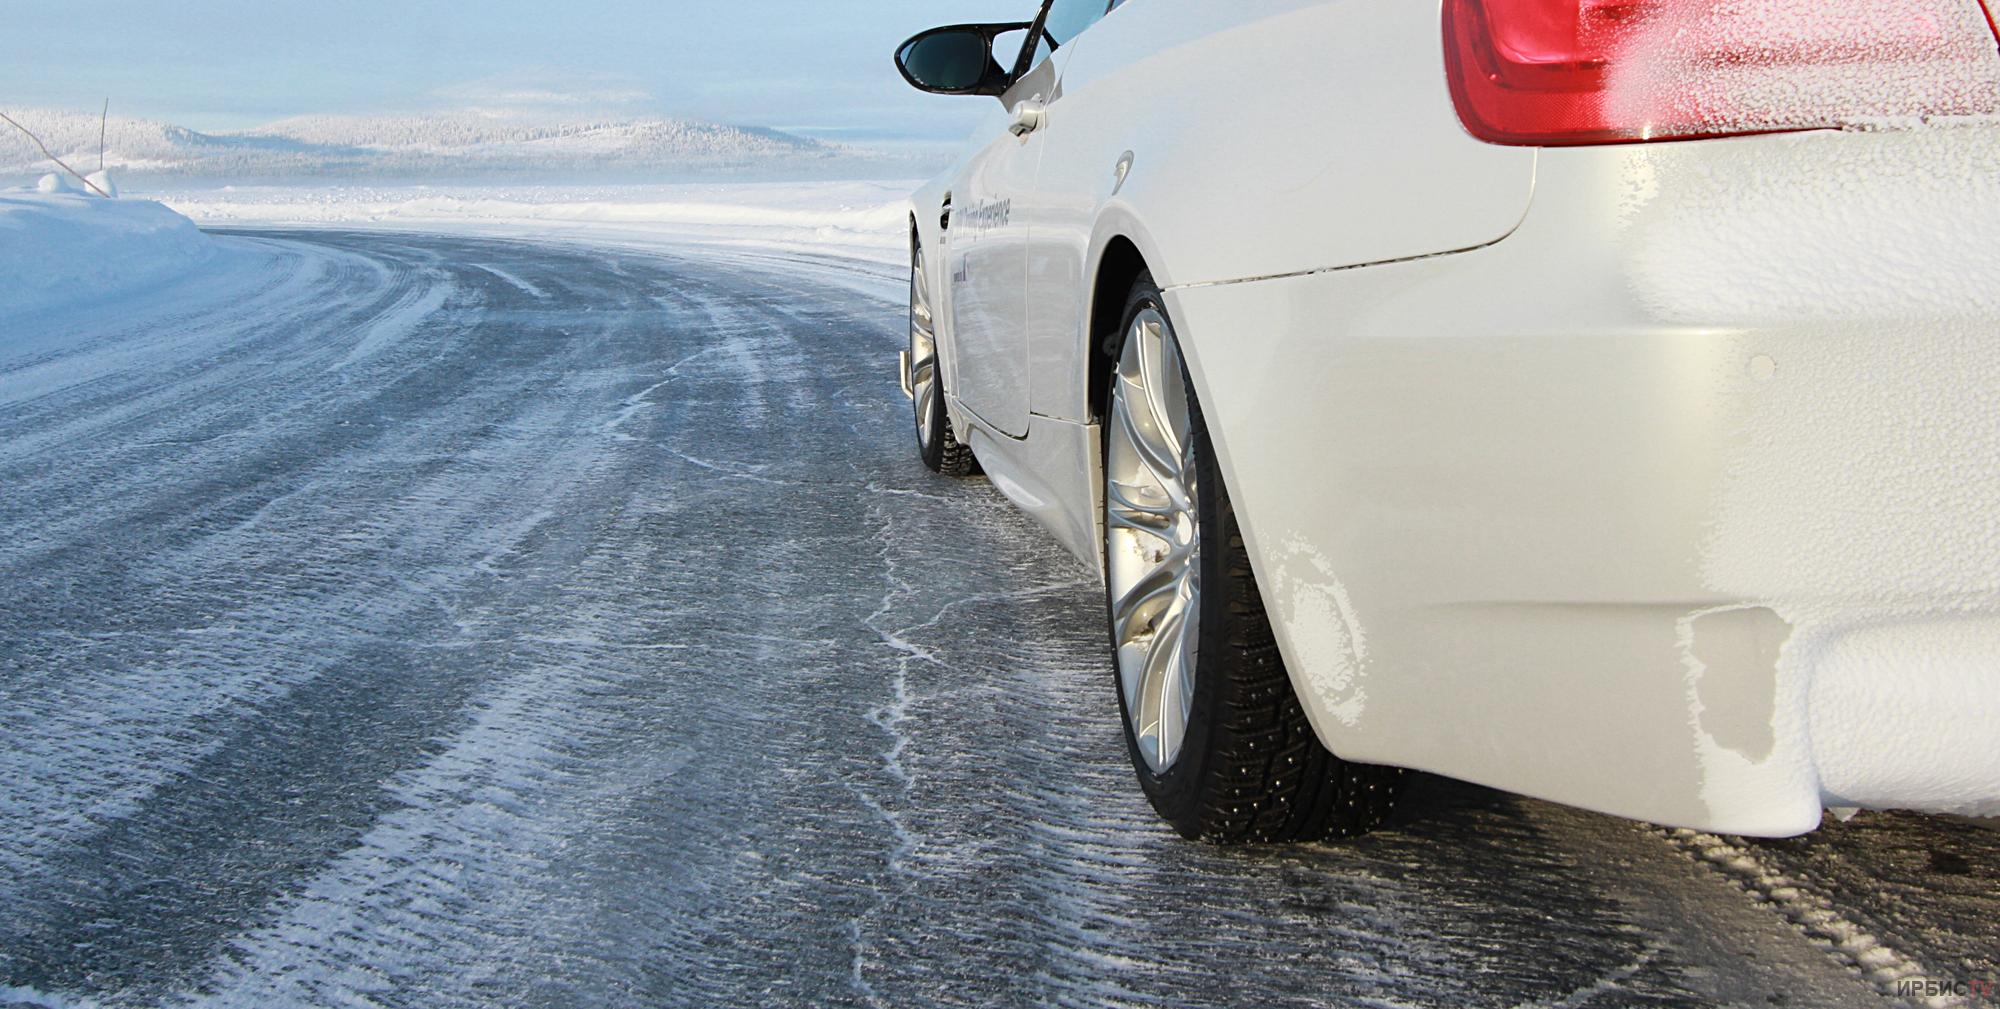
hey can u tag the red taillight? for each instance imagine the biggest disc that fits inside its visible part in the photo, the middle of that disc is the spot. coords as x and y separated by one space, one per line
1549 72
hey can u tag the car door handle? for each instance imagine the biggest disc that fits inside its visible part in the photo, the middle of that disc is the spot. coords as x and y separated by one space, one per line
1029 116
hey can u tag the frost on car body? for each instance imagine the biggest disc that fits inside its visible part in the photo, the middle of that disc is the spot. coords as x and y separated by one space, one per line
1596 71
1700 67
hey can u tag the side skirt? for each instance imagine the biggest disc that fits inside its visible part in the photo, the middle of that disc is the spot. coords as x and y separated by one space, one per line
1052 474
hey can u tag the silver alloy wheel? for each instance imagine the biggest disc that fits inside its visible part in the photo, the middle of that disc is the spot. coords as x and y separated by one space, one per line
1153 538
923 353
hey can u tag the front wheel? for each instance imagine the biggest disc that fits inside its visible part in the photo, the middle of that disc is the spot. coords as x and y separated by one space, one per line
936 442
1218 737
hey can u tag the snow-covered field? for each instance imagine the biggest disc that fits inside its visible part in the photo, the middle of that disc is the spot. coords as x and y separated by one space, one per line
861 219
67 251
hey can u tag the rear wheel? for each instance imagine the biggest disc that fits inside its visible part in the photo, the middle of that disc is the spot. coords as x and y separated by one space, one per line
936 442
1218 737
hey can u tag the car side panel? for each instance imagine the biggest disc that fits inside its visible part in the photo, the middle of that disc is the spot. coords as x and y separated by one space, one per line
1265 139
984 255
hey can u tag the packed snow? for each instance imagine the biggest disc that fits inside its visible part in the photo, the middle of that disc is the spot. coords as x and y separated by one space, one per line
60 245
413 677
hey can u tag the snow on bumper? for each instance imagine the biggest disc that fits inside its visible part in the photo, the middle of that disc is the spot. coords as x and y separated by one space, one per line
1681 503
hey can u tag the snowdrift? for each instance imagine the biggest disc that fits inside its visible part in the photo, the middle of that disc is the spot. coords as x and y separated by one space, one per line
61 248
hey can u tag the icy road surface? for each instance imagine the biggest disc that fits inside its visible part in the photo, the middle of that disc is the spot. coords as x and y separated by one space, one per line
439 622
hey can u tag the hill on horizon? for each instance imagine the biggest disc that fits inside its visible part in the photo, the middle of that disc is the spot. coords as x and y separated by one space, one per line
450 145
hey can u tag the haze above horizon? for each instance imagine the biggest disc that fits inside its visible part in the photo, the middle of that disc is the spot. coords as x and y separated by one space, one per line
801 65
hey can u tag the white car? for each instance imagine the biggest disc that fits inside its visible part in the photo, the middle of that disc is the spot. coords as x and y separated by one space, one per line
1596 399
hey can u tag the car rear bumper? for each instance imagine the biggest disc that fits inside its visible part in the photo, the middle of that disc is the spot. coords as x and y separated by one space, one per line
1681 503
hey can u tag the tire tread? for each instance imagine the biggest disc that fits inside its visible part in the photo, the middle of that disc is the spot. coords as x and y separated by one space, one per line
1270 779
1260 775
954 457
944 453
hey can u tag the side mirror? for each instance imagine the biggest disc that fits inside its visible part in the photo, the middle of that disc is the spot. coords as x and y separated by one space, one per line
957 60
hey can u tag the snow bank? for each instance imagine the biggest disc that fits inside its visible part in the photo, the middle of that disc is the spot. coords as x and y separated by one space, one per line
60 248
865 219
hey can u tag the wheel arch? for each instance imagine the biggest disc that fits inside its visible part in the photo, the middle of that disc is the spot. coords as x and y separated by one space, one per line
1120 253
1119 267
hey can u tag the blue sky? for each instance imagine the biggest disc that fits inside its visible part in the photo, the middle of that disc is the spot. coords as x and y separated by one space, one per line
221 64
